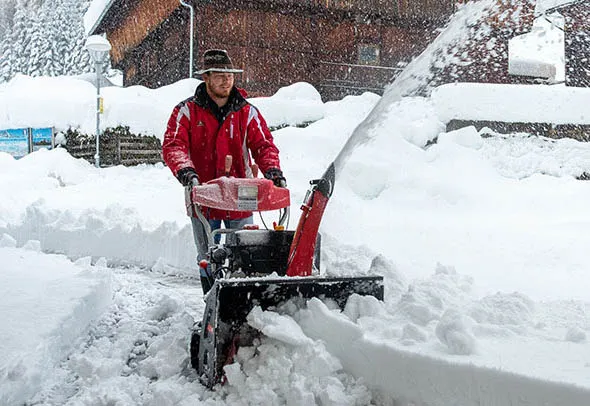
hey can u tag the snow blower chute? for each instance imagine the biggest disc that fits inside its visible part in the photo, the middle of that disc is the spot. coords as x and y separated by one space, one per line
240 268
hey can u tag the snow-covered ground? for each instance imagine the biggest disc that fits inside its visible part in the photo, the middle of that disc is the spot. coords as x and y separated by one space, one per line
482 243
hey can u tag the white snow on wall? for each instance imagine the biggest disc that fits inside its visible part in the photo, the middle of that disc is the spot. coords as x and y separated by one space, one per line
540 52
512 103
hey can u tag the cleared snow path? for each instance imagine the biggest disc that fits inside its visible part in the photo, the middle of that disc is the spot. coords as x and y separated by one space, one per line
137 353
372 353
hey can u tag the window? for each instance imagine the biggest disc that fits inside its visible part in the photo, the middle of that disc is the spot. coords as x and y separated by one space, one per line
368 54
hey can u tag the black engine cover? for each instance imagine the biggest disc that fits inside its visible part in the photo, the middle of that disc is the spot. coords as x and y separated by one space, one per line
259 251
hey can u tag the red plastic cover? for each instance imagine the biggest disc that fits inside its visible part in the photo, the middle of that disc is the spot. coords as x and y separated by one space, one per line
241 194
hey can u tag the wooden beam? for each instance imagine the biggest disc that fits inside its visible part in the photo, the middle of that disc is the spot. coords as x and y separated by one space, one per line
142 18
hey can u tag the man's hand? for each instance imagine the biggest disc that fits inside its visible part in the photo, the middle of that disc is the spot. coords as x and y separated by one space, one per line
276 175
188 177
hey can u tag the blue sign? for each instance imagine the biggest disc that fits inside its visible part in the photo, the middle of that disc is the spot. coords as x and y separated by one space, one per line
15 142
19 142
41 138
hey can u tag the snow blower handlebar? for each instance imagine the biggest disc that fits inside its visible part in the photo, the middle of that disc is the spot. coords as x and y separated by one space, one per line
240 194
254 194
236 194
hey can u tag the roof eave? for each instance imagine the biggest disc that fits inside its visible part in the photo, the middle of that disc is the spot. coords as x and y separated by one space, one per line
565 5
99 20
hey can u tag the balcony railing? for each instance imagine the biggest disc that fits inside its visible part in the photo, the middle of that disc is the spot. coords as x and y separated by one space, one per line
401 9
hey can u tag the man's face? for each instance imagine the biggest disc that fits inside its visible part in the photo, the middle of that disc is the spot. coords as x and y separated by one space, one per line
219 84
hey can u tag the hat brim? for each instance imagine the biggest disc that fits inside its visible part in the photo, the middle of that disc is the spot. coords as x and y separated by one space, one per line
224 70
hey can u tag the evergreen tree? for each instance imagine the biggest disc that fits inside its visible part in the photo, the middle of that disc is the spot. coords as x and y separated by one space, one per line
20 38
43 38
7 9
5 59
78 58
37 47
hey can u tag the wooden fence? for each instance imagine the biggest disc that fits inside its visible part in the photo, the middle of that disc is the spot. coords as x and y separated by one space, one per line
575 131
125 150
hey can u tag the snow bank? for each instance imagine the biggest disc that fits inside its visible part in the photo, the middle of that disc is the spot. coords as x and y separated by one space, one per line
68 103
90 224
47 304
65 102
401 375
507 320
279 109
555 104
121 105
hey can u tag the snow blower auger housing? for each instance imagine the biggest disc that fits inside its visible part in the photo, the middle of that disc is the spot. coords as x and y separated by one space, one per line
254 255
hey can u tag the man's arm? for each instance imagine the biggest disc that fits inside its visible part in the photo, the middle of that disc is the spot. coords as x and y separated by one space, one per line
175 148
261 143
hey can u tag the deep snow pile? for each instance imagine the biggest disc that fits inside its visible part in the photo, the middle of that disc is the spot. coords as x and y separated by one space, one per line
71 102
484 288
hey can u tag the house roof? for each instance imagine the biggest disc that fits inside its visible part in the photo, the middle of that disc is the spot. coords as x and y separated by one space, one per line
96 12
548 6
101 12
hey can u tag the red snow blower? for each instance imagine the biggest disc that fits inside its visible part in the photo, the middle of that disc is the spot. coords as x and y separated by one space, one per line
261 267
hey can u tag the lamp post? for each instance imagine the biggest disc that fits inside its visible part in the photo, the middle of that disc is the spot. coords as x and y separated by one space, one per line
191 37
98 47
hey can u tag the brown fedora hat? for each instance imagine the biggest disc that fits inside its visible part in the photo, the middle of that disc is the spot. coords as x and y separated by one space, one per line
217 60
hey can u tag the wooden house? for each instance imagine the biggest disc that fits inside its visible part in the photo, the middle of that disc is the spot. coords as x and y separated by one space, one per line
340 46
484 58
577 42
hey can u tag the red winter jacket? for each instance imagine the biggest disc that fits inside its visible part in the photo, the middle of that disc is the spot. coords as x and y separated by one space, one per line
195 138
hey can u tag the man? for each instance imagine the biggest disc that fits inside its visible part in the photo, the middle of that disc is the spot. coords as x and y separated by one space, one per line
202 130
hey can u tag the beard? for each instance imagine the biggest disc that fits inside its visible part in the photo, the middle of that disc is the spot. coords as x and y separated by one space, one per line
220 93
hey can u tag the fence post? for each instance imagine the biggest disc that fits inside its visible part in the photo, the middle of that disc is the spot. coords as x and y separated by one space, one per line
118 148
30 139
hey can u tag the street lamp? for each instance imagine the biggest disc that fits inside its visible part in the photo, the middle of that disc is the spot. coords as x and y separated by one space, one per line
98 47
191 37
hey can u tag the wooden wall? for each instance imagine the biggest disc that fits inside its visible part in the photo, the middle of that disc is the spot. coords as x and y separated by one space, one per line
273 49
340 71
484 58
162 57
132 21
276 43
278 49
577 44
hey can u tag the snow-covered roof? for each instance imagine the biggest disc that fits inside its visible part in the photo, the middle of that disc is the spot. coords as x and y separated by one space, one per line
540 52
544 5
95 13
